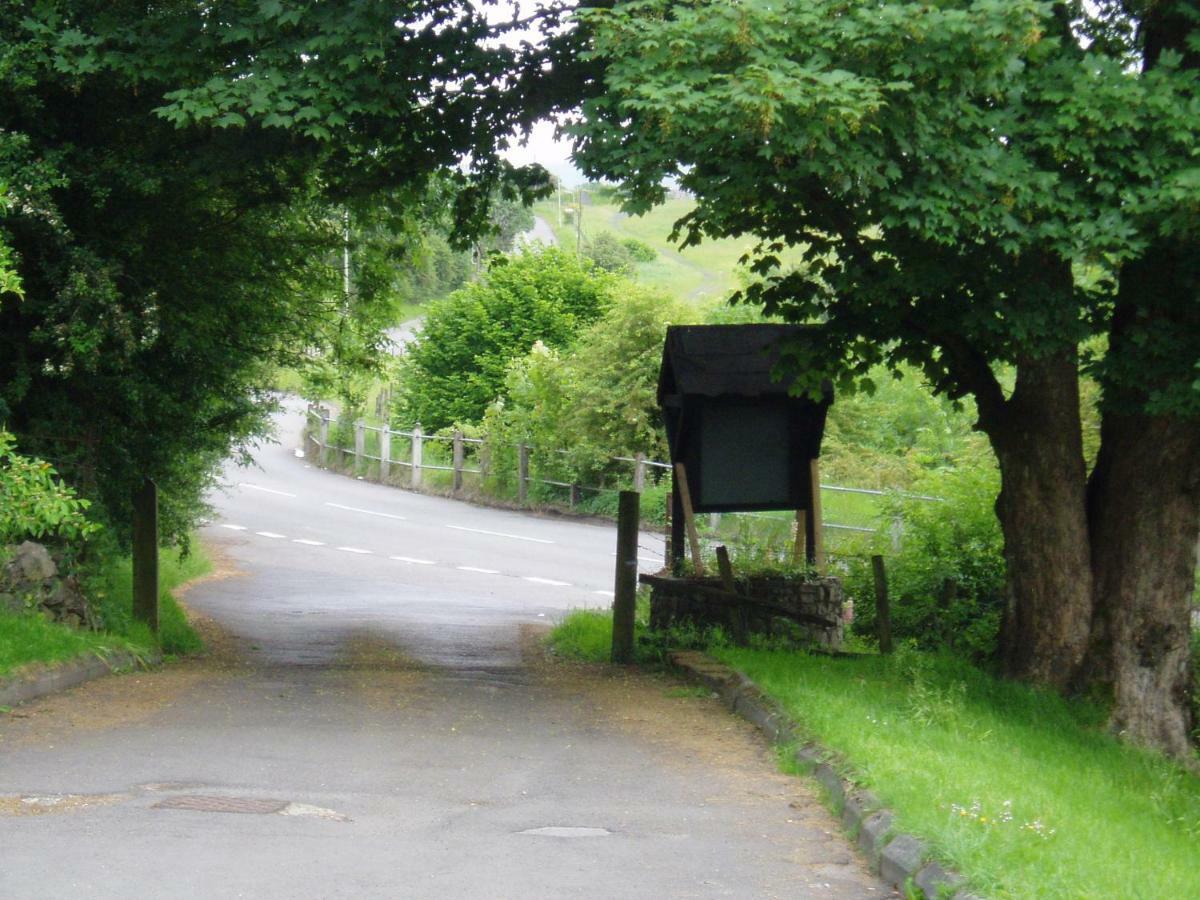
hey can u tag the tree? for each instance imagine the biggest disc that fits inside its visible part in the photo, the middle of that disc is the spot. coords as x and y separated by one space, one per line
970 184
181 175
457 364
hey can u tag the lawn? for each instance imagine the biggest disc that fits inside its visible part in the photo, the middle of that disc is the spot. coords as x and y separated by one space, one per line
27 639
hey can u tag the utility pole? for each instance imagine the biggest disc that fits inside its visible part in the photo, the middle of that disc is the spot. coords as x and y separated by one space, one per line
558 195
578 222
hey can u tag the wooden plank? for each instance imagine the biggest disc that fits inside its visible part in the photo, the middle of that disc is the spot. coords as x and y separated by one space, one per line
689 518
625 589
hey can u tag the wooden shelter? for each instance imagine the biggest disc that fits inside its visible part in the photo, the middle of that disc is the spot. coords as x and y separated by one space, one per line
738 437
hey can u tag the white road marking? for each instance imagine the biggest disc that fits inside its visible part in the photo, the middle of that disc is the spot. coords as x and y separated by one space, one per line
351 550
517 537
307 543
233 527
271 534
415 562
265 490
476 569
549 581
368 512
604 593
649 559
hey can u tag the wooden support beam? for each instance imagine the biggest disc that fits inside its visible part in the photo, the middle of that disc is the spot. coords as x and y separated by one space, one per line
689 518
883 610
818 525
800 550
726 568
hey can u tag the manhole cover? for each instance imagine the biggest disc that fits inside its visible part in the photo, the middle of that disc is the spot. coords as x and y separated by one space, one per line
223 804
567 831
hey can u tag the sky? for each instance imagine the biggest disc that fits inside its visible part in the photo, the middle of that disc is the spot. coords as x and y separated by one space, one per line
545 149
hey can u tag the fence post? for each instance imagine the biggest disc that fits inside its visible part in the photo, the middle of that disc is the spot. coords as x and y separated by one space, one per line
522 473
883 611
576 495
458 461
417 448
145 554
625 590
385 452
323 432
639 472
360 445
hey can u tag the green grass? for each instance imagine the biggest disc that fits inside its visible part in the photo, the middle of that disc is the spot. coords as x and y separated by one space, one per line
584 635
28 638
707 271
955 752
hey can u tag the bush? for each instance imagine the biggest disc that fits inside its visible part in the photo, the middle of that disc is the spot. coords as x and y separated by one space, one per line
956 539
34 503
458 363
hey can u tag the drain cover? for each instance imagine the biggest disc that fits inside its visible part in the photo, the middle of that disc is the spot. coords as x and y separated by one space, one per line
567 831
223 804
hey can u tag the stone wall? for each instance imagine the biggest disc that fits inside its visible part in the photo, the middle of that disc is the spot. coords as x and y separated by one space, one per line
30 582
807 611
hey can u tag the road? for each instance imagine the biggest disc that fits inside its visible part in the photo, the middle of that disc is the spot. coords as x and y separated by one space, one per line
540 233
376 719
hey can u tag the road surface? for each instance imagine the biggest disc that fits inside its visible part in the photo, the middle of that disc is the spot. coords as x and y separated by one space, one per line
376 719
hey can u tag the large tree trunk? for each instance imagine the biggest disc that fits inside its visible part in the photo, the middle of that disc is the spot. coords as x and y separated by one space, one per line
1042 508
1145 505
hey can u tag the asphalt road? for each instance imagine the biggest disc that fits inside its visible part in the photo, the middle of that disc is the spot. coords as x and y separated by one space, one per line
376 720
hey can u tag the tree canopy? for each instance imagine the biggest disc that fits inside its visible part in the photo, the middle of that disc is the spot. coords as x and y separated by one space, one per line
969 184
181 176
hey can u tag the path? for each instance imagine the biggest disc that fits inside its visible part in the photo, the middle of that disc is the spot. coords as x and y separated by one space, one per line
376 727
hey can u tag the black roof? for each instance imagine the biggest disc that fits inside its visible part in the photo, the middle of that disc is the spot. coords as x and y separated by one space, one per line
726 360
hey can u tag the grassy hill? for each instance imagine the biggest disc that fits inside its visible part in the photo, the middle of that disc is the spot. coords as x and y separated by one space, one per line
698 273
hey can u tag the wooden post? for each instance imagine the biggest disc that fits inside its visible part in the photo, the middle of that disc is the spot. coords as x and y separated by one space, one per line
726 568
145 554
576 495
522 473
800 550
883 609
625 589
639 472
818 525
385 452
458 461
689 518
323 431
360 446
418 441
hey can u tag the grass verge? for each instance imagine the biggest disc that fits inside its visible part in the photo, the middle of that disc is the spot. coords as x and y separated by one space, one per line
26 639
1018 789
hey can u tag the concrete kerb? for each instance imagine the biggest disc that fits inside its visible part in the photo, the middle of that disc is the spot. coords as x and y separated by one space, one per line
900 859
50 680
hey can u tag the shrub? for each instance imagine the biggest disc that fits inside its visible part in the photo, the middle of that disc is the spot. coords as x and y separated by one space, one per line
34 502
956 539
458 363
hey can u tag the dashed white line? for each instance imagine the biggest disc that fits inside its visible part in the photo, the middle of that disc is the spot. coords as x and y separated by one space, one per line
265 490
352 550
307 543
477 569
604 593
367 512
549 581
415 562
504 534
233 527
271 534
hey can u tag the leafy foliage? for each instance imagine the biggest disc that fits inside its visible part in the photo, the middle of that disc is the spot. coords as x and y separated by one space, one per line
181 177
613 254
34 503
458 363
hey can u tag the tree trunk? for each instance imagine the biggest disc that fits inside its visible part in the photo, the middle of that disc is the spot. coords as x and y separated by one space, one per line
1042 509
1145 502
